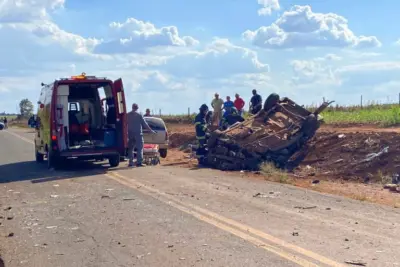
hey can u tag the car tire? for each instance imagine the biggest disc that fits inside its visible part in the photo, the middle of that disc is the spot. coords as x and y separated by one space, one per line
114 161
39 157
271 101
163 153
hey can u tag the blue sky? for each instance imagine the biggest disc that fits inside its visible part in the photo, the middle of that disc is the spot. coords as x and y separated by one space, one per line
175 54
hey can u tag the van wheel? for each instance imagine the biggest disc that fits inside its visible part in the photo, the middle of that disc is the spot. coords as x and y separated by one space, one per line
163 153
53 161
114 161
39 157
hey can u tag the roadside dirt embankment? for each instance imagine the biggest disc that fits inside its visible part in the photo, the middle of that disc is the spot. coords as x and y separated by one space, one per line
351 153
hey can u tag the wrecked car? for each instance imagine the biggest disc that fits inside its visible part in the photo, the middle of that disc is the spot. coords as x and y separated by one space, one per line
274 134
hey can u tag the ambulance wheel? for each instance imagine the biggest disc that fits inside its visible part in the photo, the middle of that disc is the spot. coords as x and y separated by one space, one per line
53 161
39 157
114 161
163 153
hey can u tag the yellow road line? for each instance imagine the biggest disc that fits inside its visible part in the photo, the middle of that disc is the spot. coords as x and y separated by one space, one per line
216 217
238 225
256 241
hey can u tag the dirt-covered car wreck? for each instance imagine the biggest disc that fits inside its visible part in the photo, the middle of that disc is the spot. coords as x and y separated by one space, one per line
275 134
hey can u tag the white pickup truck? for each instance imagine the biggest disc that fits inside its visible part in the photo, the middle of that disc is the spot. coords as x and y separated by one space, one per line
161 137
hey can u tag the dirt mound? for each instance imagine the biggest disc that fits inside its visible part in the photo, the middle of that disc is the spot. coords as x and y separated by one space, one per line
355 155
345 156
178 140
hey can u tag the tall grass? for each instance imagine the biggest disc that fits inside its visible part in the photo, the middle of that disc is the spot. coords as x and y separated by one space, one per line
384 115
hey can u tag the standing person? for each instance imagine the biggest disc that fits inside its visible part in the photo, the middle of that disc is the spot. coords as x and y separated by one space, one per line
5 123
239 104
200 125
136 123
228 103
147 114
217 104
255 102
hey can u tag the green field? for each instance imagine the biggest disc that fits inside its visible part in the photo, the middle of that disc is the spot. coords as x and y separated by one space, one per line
383 115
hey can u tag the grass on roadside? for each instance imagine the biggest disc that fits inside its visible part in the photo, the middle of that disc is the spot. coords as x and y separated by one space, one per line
274 174
384 115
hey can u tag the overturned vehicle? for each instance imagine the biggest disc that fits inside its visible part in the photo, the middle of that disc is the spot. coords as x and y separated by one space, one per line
274 134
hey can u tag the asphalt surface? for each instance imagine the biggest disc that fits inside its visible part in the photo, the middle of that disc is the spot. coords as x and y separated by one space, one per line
89 215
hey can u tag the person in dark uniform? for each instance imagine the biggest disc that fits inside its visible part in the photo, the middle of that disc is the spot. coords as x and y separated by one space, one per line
255 102
230 117
200 125
5 123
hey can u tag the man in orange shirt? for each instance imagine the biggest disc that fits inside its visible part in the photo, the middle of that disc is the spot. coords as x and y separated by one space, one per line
239 104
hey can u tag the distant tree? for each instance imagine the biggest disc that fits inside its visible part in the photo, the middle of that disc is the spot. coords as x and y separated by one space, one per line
25 108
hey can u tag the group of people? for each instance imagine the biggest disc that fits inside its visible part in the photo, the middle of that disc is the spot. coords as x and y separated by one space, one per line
222 109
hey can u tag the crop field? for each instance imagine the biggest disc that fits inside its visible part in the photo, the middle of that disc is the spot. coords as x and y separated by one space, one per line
382 115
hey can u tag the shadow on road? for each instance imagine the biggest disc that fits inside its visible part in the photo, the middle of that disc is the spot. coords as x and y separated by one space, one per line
39 173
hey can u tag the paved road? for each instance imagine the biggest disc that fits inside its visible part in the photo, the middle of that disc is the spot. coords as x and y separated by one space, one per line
165 216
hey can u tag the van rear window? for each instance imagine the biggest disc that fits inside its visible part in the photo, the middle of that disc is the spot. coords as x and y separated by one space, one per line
155 124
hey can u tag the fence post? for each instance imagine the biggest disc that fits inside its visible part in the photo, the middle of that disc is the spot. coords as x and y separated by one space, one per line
160 112
188 112
399 98
361 101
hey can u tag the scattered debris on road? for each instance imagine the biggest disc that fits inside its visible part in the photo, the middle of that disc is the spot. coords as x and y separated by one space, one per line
305 208
356 263
269 195
392 187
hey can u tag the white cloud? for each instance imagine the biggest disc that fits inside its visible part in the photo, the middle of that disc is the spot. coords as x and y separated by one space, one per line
268 7
218 59
371 66
135 36
329 57
312 72
360 77
300 27
49 32
23 11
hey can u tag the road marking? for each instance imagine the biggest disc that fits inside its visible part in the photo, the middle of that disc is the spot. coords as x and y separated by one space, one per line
236 228
223 223
259 243
20 137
